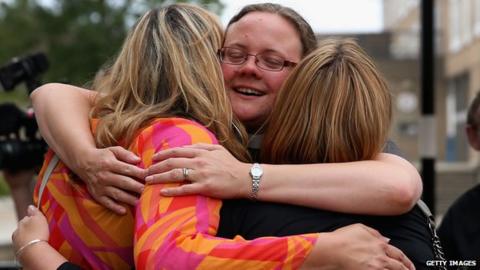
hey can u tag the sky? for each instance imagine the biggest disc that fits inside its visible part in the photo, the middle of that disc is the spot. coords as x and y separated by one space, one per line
326 16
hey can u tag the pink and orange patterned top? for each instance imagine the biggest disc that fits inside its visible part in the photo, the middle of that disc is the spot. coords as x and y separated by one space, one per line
160 232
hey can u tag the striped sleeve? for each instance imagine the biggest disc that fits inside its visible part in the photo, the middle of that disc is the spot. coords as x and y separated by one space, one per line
179 232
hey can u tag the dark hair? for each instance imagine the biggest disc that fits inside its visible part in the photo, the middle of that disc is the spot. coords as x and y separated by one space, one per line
473 110
307 37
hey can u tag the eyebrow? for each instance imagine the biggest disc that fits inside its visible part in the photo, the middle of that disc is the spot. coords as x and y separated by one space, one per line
236 45
243 47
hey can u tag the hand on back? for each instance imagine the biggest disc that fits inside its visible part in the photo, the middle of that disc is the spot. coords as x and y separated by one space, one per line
356 247
112 177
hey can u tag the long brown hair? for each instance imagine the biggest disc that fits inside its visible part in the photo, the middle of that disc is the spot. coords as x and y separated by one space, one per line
334 107
167 67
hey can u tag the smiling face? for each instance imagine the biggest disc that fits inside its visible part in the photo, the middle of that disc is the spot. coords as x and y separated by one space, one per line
253 90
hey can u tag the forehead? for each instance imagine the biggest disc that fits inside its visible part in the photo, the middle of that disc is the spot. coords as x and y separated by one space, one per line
261 31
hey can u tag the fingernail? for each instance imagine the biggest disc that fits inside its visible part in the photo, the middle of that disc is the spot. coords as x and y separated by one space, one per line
165 192
386 239
31 210
148 179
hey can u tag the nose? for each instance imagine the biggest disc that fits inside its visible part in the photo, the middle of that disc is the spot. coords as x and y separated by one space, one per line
250 67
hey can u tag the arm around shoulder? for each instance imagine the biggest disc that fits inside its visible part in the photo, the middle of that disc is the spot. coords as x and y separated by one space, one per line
387 185
62 115
407 184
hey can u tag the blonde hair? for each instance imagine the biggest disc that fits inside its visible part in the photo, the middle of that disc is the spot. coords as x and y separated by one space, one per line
167 67
334 107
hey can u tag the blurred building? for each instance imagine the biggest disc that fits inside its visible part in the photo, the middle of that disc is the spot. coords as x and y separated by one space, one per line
396 52
457 75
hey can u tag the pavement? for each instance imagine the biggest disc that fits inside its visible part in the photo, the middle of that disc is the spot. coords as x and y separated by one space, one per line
8 223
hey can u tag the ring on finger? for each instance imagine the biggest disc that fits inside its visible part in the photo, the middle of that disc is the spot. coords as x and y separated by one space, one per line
186 172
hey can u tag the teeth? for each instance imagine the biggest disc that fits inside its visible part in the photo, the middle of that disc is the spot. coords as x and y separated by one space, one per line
249 91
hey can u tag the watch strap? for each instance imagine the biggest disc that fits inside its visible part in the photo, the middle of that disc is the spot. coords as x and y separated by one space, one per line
255 181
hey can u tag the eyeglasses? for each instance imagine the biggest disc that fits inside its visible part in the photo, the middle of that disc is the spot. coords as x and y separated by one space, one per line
267 61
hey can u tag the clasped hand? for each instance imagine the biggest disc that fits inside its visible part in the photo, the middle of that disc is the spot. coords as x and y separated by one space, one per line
114 180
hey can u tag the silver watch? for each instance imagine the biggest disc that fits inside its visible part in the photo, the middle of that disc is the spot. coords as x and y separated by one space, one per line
256 173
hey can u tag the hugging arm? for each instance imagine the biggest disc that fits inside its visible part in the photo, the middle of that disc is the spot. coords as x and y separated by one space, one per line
386 185
62 113
56 107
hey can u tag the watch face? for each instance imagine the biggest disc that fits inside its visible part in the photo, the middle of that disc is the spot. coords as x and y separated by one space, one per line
256 171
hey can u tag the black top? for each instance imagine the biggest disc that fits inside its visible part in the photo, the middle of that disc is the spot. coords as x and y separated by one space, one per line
69 266
459 231
408 232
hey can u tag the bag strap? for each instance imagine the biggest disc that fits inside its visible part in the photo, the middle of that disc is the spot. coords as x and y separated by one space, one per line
437 246
53 163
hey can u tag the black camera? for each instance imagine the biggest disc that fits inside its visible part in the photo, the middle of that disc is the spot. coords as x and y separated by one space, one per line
21 146
24 69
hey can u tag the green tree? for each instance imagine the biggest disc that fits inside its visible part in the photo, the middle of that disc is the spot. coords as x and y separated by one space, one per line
78 36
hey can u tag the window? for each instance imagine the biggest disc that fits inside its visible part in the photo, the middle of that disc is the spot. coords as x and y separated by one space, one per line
454 41
457 103
476 17
465 21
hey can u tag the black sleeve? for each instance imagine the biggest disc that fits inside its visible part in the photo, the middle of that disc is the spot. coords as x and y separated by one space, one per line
392 148
69 266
